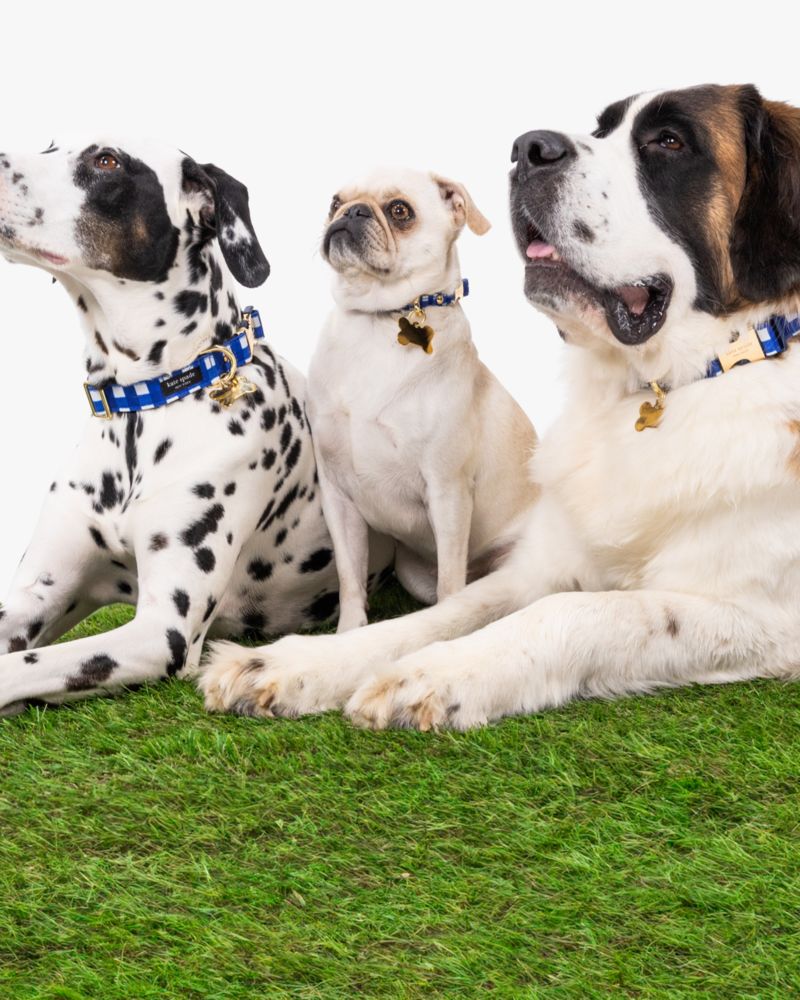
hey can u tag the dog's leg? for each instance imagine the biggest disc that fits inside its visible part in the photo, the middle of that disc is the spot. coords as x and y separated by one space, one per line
179 588
54 585
303 674
350 535
571 645
450 512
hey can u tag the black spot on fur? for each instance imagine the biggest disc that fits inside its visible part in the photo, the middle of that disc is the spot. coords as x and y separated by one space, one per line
177 647
158 542
293 455
156 352
316 561
16 644
268 458
210 609
161 450
204 490
259 570
230 489
235 427
92 673
205 559
98 539
181 601
322 607
31 658
189 302
196 533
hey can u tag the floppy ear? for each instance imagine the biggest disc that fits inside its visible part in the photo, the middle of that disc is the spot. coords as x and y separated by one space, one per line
463 207
765 244
227 212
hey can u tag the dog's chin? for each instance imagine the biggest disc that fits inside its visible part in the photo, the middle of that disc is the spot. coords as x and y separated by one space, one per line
350 256
17 253
634 311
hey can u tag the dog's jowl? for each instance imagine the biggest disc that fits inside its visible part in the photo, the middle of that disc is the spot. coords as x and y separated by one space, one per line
199 513
664 548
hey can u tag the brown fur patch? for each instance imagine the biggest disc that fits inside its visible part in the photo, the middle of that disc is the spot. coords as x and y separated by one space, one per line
730 152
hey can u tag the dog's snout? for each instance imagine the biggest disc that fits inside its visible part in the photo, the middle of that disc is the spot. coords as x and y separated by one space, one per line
534 150
358 211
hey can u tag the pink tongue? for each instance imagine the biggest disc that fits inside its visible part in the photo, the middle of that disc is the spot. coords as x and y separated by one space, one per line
539 249
635 297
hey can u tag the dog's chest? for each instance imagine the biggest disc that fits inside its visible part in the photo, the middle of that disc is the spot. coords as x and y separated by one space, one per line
695 481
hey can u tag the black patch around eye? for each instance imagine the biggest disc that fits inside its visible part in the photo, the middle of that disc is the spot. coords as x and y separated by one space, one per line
124 226
611 117
678 187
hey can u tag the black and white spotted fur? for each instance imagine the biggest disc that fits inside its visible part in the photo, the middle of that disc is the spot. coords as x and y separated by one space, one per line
201 516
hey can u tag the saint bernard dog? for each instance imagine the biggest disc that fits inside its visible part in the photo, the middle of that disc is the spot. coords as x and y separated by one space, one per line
664 548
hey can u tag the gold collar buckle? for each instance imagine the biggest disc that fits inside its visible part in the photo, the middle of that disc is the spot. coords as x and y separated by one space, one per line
231 386
106 414
747 347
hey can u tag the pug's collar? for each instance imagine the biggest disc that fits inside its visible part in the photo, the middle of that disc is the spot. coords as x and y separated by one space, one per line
438 298
413 328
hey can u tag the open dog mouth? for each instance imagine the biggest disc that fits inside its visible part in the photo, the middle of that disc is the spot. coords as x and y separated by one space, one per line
634 311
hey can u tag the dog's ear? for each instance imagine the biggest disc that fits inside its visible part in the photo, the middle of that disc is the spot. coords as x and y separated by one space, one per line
765 243
227 212
461 204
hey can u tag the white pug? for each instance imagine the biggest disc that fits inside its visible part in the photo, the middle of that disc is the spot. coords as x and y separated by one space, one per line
415 438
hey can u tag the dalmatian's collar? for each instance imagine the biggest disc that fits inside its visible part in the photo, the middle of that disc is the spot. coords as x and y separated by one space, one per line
217 366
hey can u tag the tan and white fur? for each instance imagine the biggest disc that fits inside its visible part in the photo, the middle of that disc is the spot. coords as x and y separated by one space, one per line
653 559
426 449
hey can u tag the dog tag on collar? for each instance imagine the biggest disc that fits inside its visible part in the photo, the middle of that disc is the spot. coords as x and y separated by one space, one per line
422 336
650 414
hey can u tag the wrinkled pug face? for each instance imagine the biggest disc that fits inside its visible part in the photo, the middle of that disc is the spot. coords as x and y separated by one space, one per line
391 237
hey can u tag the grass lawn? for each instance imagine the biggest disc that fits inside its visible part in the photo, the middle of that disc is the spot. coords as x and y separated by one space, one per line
645 848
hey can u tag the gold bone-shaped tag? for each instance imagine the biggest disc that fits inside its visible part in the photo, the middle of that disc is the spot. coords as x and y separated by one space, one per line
746 348
422 336
650 415
228 391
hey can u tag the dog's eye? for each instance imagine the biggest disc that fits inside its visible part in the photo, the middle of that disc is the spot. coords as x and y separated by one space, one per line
107 161
664 140
668 140
336 204
400 211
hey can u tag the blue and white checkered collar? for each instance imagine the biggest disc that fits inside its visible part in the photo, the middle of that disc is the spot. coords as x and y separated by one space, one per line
216 366
767 339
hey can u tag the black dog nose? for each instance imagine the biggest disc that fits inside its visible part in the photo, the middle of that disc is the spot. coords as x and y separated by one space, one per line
541 149
358 211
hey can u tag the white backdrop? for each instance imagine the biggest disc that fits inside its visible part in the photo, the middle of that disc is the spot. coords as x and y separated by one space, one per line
295 101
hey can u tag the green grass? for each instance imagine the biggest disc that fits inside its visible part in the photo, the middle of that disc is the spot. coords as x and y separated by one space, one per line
645 848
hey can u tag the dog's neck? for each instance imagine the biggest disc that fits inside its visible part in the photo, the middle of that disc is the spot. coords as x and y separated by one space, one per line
363 293
678 359
138 330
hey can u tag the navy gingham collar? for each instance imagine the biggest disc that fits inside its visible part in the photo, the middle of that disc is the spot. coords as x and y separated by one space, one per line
207 368
766 339
438 298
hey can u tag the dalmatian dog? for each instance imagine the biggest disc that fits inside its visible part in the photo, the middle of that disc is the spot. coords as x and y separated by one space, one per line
203 515
664 547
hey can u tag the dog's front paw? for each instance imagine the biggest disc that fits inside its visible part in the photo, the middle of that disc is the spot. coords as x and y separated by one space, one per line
431 689
292 677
